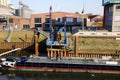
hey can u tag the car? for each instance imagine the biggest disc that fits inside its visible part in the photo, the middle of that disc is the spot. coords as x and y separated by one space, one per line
9 62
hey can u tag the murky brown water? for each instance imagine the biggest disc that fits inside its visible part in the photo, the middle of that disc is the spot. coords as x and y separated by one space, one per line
4 75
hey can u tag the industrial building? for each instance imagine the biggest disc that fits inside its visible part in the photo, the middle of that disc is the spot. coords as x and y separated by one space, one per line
6 8
24 11
10 18
112 15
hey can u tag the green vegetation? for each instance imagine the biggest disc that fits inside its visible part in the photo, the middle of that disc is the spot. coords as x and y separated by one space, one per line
98 44
19 36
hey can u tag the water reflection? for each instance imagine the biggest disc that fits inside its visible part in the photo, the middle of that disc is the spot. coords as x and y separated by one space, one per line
56 76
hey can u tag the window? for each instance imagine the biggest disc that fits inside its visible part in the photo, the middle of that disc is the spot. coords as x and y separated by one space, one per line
37 20
110 8
117 28
79 19
10 20
59 19
17 12
69 19
118 8
117 18
47 27
38 25
47 20
26 26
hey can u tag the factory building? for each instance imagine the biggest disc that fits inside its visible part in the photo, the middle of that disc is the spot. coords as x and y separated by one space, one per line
10 18
24 11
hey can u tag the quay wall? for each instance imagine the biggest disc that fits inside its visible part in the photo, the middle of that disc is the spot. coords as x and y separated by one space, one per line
12 45
27 48
97 34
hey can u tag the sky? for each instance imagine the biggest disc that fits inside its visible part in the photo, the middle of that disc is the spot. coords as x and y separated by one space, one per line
42 6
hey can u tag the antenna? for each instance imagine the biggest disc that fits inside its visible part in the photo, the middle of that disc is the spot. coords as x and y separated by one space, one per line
83 16
83 8
58 7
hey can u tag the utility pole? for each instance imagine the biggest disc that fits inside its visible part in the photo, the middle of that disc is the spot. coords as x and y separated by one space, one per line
50 16
20 5
51 27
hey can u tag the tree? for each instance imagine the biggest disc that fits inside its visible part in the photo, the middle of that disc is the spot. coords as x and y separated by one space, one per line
76 12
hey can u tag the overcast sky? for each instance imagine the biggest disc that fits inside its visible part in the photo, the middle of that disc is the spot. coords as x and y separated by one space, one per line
42 6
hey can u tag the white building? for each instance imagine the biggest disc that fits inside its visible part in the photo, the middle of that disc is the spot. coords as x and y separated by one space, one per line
6 8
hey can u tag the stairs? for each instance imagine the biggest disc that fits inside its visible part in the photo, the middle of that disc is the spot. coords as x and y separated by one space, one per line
43 33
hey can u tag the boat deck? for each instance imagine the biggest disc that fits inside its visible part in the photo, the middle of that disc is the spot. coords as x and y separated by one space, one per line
73 61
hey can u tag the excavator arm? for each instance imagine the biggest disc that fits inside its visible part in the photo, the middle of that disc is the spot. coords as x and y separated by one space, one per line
63 29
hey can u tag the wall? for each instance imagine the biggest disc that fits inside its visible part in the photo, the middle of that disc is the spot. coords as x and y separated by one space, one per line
116 19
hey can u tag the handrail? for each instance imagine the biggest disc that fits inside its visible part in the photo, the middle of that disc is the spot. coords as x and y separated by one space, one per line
10 51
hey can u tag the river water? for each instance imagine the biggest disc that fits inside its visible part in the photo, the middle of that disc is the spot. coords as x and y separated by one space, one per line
6 75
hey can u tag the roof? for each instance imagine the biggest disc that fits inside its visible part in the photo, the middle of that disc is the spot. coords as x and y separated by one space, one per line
67 14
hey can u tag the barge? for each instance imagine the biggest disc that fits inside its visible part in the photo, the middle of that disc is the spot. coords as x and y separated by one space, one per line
64 65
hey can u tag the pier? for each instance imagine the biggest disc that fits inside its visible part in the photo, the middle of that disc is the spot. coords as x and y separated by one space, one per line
53 53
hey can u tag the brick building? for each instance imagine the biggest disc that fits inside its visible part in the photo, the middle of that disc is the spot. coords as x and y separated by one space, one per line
58 20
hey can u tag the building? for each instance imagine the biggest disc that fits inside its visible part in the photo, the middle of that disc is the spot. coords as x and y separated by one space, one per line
6 10
95 21
112 15
23 11
9 18
59 19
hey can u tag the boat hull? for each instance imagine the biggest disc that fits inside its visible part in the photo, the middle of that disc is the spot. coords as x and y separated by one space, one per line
66 67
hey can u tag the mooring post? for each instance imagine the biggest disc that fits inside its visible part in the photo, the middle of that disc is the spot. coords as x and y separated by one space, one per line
36 45
76 46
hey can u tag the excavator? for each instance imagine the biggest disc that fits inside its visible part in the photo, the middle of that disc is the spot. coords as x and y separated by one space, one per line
57 41
51 41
